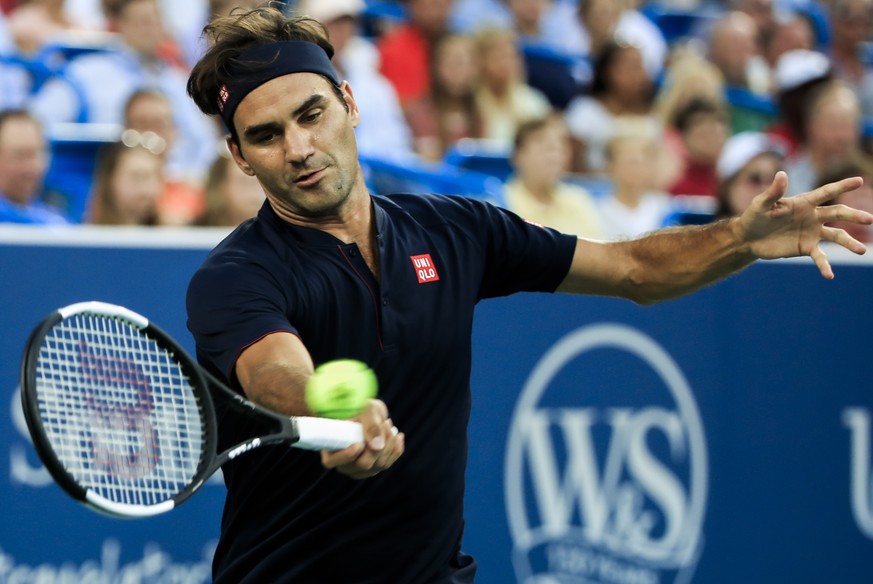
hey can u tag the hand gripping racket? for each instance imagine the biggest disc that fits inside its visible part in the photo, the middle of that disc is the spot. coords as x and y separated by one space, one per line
126 422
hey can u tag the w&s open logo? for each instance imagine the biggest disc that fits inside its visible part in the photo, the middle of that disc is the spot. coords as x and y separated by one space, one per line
606 464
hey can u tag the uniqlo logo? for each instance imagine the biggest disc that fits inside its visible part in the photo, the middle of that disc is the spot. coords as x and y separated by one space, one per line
424 268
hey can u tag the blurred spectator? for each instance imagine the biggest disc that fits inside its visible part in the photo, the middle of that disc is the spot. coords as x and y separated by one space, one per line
746 167
232 196
449 112
537 191
791 31
128 182
182 199
764 15
383 131
108 78
702 124
688 77
833 134
605 20
406 51
852 30
733 49
542 23
35 23
798 75
620 89
23 164
633 207
861 198
503 98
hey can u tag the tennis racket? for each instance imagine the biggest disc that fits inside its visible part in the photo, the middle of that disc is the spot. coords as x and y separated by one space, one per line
127 422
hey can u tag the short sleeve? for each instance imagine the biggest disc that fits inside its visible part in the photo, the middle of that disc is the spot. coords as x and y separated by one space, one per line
519 256
231 305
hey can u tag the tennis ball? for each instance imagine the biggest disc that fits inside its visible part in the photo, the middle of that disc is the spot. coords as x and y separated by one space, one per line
340 389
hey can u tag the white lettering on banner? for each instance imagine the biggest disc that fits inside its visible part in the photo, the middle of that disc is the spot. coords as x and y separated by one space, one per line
155 566
588 497
857 419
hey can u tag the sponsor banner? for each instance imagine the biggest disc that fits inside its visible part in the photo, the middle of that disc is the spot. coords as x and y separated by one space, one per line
701 440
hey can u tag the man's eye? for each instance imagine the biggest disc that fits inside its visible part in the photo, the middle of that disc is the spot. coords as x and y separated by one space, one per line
311 117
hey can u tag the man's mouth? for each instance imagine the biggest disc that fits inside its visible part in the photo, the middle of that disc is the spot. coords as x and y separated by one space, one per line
309 178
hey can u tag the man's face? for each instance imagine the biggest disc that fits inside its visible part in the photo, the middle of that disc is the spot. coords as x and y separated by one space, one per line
23 159
297 138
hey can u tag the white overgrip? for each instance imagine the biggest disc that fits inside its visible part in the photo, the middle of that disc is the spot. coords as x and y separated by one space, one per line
327 434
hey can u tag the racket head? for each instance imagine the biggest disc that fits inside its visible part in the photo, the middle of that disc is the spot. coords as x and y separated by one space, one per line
118 412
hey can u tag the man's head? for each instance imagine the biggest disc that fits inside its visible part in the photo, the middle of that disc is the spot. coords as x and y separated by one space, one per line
292 123
242 56
23 156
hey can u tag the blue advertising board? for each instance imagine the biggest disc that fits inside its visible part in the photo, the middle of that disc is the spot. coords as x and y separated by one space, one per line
722 437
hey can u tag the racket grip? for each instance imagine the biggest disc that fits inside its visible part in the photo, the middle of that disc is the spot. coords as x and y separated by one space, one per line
327 434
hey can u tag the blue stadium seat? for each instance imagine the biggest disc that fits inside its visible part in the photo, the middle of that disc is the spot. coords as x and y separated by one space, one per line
379 14
743 98
411 176
677 24
559 76
482 156
74 149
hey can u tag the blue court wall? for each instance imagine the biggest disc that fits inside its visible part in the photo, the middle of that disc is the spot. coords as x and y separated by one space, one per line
723 437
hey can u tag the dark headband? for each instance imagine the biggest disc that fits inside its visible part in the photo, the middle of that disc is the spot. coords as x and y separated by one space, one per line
257 65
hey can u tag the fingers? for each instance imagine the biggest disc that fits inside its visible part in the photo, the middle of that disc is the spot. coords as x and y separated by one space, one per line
821 260
834 213
841 237
831 191
774 192
382 446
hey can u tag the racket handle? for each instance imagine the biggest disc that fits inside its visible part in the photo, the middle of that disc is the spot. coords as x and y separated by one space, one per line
327 434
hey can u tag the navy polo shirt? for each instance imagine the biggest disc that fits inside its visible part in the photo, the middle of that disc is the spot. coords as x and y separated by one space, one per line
286 518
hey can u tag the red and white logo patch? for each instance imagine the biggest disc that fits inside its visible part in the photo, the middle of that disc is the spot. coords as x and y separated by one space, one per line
223 94
424 268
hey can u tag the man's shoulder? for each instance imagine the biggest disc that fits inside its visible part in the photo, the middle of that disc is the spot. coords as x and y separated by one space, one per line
441 207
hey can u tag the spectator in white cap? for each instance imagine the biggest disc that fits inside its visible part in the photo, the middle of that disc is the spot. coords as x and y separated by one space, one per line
747 165
797 76
383 132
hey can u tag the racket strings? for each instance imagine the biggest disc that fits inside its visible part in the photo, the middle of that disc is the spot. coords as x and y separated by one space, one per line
118 410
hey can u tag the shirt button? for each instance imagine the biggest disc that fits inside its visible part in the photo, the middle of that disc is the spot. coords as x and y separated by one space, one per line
353 252
385 301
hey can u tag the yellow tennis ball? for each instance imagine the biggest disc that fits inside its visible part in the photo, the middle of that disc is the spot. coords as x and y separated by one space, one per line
341 388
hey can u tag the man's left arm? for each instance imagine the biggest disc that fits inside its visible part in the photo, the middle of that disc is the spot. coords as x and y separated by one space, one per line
676 261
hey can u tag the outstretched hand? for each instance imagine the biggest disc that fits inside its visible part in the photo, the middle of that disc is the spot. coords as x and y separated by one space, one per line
775 226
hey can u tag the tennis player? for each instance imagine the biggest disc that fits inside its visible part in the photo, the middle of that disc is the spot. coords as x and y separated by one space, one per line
327 270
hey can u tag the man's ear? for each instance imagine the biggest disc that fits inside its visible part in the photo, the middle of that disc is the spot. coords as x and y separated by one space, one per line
349 98
236 153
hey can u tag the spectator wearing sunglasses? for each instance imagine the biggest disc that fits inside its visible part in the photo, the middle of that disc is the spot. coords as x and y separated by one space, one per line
747 165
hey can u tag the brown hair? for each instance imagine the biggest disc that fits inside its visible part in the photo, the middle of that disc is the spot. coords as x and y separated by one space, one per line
229 36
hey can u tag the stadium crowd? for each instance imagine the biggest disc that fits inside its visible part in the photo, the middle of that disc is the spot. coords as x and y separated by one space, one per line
604 118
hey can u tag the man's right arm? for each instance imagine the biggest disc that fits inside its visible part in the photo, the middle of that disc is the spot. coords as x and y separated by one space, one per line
273 372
